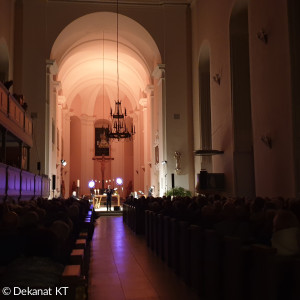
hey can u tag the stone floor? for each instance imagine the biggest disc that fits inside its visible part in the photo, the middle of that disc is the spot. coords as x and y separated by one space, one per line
123 267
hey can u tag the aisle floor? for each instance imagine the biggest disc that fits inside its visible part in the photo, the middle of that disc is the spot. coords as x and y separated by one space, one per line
123 267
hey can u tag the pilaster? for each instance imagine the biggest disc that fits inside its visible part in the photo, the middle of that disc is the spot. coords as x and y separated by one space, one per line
160 97
87 151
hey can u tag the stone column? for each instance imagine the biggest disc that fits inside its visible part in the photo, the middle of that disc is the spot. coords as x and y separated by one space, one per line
49 77
66 149
52 87
149 161
144 102
61 105
87 151
136 151
160 89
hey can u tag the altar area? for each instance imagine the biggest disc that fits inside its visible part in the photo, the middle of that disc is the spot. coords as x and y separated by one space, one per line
99 200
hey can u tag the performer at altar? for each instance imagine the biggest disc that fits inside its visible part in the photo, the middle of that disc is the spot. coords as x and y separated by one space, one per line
109 193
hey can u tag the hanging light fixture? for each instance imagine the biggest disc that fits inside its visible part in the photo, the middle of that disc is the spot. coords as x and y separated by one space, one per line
119 129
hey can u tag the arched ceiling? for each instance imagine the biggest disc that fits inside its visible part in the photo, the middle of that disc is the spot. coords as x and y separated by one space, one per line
87 49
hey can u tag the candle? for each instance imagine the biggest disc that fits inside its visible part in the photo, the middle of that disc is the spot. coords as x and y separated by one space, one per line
78 183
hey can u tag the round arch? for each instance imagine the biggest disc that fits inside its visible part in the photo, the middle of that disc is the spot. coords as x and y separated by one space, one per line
87 49
87 54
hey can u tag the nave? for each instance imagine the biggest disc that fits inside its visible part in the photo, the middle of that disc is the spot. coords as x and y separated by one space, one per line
123 267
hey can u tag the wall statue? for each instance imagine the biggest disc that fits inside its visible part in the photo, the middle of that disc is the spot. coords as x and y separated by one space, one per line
177 156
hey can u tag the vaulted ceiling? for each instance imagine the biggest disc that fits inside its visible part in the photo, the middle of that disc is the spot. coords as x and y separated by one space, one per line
88 55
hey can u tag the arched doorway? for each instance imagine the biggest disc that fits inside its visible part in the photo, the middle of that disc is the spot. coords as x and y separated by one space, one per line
87 58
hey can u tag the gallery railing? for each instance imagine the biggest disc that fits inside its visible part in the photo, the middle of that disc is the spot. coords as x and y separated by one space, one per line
14 117
18 184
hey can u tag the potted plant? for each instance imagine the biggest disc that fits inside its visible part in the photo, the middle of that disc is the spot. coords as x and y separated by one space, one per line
179 192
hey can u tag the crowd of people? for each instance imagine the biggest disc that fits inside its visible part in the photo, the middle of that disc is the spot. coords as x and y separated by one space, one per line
37 237
272 222
224 248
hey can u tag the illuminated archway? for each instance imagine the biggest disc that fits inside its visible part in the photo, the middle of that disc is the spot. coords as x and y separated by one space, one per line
85 53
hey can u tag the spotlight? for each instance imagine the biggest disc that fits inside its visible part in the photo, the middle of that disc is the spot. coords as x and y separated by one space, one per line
63 162
119 181
91 184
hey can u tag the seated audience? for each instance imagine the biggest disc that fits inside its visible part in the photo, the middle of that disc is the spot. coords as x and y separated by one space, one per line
37 267
286 233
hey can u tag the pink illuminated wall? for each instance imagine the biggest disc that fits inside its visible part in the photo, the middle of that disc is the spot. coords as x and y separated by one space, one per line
75 147
78 40
87 72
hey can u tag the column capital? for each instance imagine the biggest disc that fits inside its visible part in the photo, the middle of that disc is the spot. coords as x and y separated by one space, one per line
56 86
150 90
147 96
143 102
61 100
159 71
87 120
51 66
143 99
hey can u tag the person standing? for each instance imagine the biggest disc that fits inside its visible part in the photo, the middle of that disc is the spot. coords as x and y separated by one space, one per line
150 192
109 193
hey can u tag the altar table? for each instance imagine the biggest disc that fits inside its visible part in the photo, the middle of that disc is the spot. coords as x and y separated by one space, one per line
98 198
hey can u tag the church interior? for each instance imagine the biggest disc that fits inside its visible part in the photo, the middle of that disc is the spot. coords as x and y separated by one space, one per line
149 149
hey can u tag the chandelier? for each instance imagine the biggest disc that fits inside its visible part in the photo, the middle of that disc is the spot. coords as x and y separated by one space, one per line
119 129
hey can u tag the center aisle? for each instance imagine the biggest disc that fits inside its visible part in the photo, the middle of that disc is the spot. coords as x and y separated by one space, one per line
123 267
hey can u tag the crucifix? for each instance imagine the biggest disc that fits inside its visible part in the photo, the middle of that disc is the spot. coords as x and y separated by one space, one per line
103 160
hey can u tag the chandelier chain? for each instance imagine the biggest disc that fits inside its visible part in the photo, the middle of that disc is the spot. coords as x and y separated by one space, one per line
118 95
103 74
119 129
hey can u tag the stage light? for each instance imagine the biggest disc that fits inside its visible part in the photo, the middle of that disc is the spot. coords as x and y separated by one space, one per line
119 181
63 162
91 184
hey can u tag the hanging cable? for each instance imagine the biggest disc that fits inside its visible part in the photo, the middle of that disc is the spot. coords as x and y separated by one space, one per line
118 95
119 129
103 77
